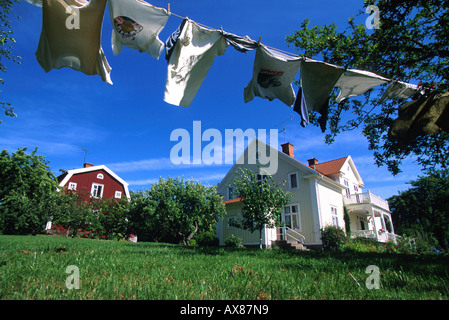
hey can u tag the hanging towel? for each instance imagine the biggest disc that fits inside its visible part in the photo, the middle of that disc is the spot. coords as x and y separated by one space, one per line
242 44
273 74
399 90
356 82
137 24
190 61
317 81
77 48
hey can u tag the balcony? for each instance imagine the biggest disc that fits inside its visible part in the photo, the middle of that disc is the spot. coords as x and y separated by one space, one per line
366 198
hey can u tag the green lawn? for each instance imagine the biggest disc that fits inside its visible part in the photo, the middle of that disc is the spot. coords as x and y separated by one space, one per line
35 268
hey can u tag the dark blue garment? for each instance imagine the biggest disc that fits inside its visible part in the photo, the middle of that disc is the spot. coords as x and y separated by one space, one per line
172 40
301 108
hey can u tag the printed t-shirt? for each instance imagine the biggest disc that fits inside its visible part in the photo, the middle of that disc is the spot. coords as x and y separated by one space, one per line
137 24
273 74
190 61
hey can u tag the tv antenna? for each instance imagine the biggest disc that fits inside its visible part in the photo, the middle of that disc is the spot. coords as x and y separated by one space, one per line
284 130
85 151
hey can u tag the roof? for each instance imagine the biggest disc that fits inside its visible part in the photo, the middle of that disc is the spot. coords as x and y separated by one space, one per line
331 167
232 201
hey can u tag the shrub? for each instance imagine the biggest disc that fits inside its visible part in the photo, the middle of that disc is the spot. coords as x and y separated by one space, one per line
333 237
233 242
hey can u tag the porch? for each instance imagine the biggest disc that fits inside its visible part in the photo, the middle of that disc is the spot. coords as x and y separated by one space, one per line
370 217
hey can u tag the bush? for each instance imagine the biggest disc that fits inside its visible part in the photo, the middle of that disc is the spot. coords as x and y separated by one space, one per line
333 238
233 242
206 238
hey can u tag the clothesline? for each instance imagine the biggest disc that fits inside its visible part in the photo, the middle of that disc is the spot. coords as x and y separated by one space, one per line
137 24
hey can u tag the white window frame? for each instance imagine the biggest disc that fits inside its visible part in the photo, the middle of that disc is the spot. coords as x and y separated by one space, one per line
118 195
290 181
100 176
297 213
72 186
334 215
94 190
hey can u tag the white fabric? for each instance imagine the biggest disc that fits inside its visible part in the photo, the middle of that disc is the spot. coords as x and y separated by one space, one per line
273 74
317 81
190 62
35 2
399 90
137 24
356 82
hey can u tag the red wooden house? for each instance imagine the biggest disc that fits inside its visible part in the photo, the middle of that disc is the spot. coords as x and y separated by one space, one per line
93 181
98 181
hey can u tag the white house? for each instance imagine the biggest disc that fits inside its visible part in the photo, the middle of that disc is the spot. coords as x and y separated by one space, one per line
321 192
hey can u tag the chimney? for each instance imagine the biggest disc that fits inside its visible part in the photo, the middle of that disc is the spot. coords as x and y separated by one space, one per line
87 165
313 162
287 148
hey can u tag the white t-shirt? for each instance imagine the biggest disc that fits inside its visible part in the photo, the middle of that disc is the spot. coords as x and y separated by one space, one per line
137 24
273 74
190 62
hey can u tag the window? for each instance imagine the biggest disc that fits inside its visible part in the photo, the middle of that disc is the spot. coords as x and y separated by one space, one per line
97 190
72 185
261 177
291 216
348 191
232 223
356 188
118 194
100 176
334 216
293 181
230 193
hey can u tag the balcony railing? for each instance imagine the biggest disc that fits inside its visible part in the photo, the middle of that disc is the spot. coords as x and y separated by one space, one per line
366 197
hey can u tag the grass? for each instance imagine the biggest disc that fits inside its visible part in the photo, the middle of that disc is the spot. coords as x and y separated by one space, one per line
34 268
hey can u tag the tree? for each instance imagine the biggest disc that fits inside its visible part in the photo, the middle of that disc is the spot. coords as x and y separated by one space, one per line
422 210
6 42
410 45
27 192
262 201
175 210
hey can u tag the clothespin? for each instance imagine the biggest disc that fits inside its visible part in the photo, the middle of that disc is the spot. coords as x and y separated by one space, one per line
258 42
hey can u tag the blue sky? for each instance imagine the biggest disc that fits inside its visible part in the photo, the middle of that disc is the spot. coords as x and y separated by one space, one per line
127 126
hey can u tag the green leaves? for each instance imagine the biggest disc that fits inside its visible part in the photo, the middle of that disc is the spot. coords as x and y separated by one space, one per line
174 210
411 45
262 200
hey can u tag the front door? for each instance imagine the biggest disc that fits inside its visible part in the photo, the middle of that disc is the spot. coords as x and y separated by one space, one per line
291 219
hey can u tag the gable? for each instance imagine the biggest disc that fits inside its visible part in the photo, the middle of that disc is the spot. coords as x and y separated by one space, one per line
85 177
285 166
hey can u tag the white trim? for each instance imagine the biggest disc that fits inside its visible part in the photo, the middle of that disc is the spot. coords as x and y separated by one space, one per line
70 173
101 190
